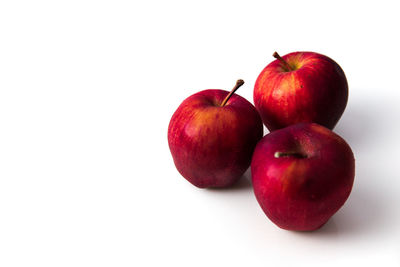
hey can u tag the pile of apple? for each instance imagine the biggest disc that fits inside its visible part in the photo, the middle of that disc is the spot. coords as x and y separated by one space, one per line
302 172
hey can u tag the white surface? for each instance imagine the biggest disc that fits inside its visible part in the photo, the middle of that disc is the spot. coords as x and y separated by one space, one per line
87 89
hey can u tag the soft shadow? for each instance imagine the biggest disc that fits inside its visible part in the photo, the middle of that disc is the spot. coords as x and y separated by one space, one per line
366 210
242 184
363 214
329 229
358 124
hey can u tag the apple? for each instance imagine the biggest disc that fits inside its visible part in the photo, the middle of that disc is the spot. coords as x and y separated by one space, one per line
302 175
301 87
212 136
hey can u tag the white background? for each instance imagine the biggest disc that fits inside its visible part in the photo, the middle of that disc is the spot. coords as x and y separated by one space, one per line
87 89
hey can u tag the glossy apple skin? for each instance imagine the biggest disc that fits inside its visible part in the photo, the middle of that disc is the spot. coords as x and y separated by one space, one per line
302 193
316 91
211 145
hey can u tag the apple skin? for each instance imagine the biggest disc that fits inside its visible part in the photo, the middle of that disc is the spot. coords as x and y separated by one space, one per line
212 145
316 91
302 191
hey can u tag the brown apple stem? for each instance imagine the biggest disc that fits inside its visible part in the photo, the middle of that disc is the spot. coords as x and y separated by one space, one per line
285 64
237 85
289 154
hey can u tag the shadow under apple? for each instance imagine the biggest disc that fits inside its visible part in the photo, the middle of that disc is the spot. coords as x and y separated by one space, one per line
358 124
366 211
364 214
243 184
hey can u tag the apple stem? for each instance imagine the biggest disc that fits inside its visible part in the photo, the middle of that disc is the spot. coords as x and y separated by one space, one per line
239 83
289 154
284 62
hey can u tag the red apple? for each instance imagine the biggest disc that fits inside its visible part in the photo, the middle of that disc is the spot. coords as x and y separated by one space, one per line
301 87
212 136
302 175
